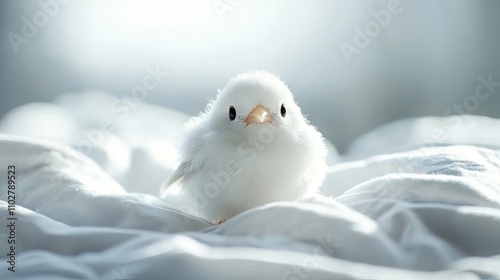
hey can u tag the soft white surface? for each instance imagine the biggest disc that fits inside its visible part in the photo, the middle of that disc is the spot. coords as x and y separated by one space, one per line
431 213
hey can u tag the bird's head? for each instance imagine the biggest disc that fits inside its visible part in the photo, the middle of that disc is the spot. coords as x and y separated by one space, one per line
253 101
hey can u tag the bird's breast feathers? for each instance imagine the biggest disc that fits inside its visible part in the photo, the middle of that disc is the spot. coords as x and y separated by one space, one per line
267 163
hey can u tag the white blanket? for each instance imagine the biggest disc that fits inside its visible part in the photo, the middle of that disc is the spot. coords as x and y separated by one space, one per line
425 213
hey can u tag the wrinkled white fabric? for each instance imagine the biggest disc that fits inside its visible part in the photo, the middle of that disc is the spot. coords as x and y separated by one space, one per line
425 213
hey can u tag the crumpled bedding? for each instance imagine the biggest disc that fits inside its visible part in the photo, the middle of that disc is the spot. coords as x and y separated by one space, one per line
408 213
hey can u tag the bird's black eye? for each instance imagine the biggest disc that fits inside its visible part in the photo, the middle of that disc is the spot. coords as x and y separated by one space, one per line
232 113
283 110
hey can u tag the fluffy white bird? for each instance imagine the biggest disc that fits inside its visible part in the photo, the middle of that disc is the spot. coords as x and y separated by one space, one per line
251 146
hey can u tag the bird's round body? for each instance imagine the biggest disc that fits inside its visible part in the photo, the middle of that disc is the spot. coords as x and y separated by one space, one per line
251 146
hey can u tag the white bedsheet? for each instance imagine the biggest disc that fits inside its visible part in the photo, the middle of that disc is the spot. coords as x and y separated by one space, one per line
425 213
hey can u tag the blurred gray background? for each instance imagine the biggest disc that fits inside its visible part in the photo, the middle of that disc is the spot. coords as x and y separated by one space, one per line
421 61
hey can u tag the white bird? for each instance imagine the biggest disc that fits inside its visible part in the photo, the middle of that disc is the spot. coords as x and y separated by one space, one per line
251 146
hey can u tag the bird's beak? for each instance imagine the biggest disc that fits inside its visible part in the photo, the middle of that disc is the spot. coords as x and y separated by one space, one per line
259 114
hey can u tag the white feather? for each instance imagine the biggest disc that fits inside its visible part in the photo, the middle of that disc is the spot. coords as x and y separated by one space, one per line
228 167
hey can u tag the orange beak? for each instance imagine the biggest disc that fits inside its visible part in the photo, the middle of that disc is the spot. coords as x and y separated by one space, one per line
259 114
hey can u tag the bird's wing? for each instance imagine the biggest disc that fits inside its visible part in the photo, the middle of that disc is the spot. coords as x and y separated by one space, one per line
194 157
178 176
188 167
